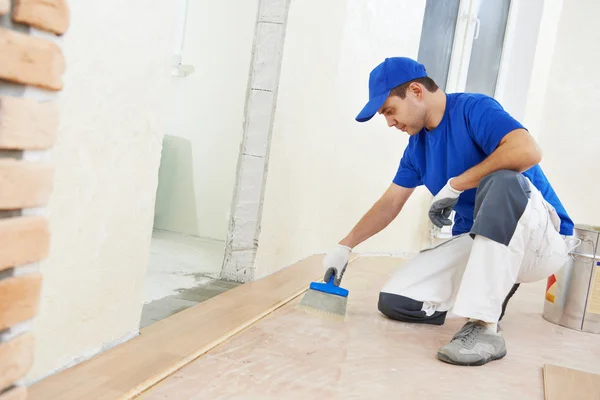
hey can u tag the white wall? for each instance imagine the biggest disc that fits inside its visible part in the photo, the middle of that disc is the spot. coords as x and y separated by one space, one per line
518 55
106 159
326 170
206 119
544 53
569 127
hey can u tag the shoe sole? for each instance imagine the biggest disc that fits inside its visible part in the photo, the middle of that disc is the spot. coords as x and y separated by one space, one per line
446 359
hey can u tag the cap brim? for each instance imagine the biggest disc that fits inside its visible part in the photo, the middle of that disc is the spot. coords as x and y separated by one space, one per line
372 107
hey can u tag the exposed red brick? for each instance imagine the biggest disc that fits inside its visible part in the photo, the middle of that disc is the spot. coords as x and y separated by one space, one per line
16 357
30 60
24 184
24 240
47 15
26 124
19 299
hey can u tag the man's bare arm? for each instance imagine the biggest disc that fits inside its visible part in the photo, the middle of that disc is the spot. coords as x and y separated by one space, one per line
517 151
383 212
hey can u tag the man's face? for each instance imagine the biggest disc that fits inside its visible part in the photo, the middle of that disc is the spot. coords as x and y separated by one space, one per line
408 114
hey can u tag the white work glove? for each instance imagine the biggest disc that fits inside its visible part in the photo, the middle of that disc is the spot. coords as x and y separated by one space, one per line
442 205
335 264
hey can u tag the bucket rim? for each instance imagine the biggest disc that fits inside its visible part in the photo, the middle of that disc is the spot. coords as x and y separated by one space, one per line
588 228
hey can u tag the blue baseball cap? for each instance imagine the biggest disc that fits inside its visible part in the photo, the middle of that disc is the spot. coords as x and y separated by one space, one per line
391 73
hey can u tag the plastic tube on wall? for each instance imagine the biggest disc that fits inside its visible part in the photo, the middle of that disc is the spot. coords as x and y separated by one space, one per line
178 69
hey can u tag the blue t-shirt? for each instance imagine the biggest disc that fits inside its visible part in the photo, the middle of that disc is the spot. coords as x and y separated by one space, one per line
472 127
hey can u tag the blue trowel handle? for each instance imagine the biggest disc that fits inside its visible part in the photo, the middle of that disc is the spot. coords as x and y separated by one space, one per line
329 287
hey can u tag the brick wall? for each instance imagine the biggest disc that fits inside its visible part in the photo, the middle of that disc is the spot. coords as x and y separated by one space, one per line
246 209
31 69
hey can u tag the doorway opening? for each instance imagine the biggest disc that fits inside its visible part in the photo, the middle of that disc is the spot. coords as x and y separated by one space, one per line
200 153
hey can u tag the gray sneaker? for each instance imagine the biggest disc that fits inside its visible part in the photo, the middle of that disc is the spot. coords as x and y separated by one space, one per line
473 345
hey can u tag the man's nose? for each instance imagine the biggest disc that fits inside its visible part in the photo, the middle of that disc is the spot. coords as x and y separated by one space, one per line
391 121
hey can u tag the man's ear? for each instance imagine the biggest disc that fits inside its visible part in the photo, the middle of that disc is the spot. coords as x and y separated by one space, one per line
416 89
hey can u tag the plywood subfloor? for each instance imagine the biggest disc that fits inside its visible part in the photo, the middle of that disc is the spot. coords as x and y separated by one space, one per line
293 355
562 383
164 347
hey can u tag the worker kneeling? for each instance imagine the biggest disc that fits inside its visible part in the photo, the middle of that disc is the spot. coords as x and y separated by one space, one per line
509 227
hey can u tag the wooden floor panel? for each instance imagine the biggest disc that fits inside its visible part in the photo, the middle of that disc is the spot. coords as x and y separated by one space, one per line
124 371
562 383
294 355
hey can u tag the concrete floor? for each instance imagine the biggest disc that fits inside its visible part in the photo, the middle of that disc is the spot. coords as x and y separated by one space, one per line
160 309
183 270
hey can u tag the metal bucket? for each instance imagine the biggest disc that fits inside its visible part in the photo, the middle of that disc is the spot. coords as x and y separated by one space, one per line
573 293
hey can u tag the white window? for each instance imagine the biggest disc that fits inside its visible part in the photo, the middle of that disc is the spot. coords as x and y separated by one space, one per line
482 46
462 43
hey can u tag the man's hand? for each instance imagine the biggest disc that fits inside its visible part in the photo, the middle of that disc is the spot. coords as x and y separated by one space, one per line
442 205
335 264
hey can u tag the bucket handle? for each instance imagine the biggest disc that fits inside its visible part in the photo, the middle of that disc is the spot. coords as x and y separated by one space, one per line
574 255
570 250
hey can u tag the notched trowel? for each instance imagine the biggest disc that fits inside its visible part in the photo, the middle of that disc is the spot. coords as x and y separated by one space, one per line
326 298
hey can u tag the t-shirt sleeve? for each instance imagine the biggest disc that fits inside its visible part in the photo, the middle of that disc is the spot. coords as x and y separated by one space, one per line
488 123
407 175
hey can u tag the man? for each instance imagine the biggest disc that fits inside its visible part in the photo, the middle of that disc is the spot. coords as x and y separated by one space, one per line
483 164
